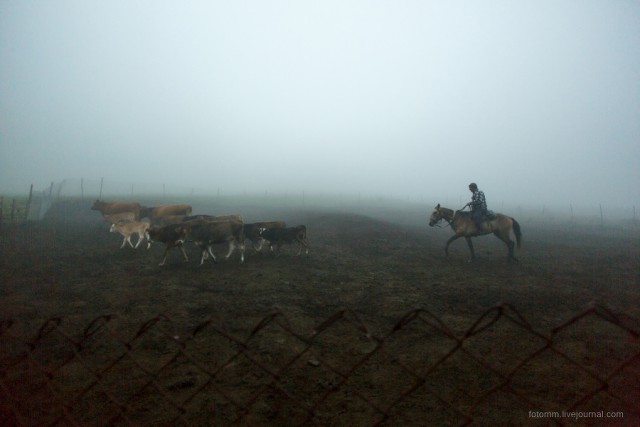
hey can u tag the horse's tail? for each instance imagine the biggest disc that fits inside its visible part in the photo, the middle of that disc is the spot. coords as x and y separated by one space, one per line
517 232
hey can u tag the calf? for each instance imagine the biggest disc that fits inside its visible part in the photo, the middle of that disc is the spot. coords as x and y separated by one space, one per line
173 235
286 235
252 231
128 228
207 233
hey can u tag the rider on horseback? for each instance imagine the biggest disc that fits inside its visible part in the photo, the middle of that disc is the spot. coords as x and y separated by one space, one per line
478 205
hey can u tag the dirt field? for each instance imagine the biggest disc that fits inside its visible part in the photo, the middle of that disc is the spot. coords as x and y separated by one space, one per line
379 263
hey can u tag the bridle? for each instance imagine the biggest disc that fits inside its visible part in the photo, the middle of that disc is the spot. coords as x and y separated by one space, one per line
442 217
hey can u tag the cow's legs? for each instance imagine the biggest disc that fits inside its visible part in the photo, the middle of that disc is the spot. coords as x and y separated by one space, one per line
210 251
164 258
232 247
302 243
166 252
184 254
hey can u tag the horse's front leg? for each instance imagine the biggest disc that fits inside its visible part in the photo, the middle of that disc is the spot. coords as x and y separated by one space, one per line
470 243
451 240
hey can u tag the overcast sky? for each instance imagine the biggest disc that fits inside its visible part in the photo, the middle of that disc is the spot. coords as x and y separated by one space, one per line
536 101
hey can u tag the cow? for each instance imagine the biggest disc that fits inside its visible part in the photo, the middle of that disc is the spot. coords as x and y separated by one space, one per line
207 233
232 217
117 217
252 231
129 228
161 221
117 207
173 235
164 210
290 235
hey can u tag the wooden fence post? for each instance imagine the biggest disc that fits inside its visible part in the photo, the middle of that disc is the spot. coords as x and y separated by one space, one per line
12 216
28 207
601 217
101 184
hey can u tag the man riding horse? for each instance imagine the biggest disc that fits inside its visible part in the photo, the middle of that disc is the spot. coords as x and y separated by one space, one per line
478 222
478 206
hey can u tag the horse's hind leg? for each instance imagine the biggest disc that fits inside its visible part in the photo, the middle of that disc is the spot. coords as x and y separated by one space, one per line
510 245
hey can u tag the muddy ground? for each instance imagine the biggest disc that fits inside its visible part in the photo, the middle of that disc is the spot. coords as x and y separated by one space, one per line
361 368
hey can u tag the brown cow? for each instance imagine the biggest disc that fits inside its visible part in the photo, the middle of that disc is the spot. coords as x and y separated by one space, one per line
231 217
117 207
164 210
287 235
252 231
117 217
161 221
173 236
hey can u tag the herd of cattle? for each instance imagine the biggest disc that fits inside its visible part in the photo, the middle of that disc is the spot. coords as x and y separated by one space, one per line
174 225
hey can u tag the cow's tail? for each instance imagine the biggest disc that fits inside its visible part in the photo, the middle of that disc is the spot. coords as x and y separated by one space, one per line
517 232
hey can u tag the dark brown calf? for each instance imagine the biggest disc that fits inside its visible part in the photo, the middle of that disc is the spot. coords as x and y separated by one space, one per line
289 235
207 233
173 236
252 231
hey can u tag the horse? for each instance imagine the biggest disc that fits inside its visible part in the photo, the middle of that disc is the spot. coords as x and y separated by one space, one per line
463 225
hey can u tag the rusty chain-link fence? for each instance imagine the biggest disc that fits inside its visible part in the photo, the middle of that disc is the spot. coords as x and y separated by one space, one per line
500 371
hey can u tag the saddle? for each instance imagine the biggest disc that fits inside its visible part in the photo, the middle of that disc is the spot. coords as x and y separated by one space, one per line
490 215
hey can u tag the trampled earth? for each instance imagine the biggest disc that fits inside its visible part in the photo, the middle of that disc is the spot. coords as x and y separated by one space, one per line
384 359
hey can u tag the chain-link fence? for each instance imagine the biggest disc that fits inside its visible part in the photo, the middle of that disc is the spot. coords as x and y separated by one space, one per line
501 371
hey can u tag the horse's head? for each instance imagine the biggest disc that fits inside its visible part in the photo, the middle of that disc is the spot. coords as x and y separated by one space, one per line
436 216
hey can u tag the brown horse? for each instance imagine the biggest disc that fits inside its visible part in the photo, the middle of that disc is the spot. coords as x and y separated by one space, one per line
463 225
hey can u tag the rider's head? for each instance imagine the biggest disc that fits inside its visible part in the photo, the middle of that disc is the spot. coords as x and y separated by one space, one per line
473 186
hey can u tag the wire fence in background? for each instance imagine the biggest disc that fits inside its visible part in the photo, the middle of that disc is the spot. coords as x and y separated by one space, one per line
500 371
90 189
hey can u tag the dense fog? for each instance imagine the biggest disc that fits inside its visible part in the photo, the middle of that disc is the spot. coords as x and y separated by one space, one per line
536 101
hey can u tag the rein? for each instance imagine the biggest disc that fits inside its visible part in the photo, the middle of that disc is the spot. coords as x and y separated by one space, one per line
449 221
